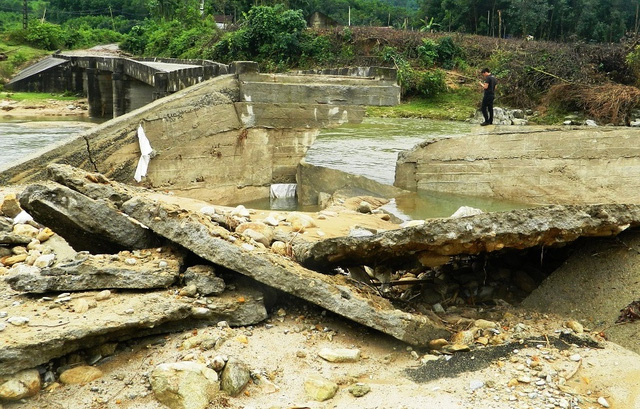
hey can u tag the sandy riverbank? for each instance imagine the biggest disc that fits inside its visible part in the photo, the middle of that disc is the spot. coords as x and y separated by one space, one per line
12 109
528 370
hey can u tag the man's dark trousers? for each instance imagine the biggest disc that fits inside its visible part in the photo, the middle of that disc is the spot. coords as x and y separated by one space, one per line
487 108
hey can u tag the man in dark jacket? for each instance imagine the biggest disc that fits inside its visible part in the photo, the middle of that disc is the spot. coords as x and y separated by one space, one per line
489 86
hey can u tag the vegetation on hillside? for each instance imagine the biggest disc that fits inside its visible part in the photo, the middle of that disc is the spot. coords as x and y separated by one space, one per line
438 46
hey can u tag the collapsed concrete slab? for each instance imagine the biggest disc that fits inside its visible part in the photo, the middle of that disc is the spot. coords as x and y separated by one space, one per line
87 224
437 239
314 180
81 321
550 165
146 269
93 185
215 244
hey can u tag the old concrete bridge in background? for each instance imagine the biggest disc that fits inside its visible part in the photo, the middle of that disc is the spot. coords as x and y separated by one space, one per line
114 85
226 139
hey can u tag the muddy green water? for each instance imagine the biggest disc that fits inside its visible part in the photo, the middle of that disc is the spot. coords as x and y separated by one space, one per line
371 149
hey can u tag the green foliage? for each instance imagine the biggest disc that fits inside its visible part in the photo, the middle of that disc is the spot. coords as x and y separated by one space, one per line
159 40
268 34
633 61
136 40
316 50
415 82
118 24
87 38
40 35
450 55
428 52
190 43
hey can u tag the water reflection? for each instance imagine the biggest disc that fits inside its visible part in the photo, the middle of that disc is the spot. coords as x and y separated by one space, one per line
428 204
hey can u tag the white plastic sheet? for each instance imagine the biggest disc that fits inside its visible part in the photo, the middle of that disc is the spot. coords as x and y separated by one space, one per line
145 155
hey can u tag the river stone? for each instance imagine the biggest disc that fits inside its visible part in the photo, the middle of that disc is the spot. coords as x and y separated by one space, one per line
10 206
280 247
485 324
23 384
45 260
463 337
339 354
359 389
575 326
44 234
262 228
437 344
80 375
205 280
26 230
464 211
257 237
5 225
184 385
320 389
235 376
300 222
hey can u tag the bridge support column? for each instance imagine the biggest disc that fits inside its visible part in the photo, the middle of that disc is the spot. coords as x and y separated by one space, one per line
94 95
119 88
160 85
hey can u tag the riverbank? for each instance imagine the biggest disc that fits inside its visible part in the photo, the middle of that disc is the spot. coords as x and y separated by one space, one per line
503 357
519 361
11 108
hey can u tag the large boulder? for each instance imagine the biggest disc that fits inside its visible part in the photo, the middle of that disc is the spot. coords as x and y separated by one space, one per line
184 385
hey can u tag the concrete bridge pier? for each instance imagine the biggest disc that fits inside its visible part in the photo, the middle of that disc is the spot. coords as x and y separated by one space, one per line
77 79
94 96
119 87
160 85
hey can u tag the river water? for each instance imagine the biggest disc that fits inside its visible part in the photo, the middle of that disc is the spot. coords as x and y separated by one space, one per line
20 137
369 149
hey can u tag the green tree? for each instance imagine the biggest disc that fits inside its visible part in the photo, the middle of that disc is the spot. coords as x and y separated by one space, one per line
268 33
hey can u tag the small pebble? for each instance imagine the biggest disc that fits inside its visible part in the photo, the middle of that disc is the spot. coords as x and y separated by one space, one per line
603 402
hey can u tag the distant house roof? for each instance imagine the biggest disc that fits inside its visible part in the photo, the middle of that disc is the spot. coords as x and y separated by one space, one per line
221 18
321 20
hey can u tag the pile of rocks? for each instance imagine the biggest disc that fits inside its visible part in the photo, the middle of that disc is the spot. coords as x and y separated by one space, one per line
503 116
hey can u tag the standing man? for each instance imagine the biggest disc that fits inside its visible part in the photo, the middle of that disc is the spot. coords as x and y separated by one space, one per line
489 86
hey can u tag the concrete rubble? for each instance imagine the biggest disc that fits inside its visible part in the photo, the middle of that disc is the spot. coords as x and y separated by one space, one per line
179 268
435 241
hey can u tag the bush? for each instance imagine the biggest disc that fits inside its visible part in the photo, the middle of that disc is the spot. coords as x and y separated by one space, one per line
45 35
136 40
415 82
316 50
160 39
428 52
449 54
271 35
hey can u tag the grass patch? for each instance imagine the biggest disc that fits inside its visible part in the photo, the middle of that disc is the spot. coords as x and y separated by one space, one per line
456 105
36 96
18 57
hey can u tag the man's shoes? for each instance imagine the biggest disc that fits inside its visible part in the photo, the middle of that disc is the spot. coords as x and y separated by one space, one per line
485 124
